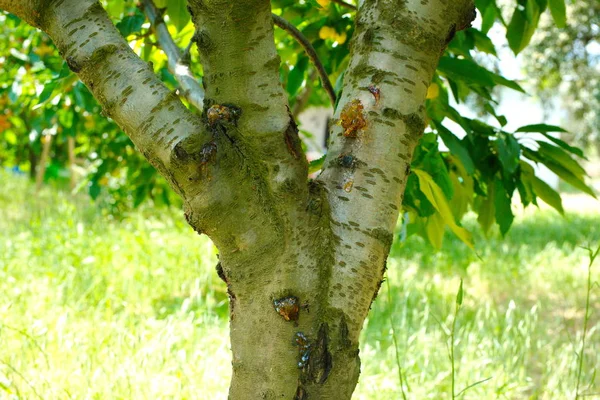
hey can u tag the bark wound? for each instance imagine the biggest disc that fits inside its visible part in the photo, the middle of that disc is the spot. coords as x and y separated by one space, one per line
219 117
292 140
449 36
379 283
232 297
347 160
73 65
300 393
315 357
345 341
353 119
288 307
470 17
191 222
187 152
316 200
375 91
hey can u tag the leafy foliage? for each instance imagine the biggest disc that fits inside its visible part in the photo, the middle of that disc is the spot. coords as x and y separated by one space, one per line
483 168
567 61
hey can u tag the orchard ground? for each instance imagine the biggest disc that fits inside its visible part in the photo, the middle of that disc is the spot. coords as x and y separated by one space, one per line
94 307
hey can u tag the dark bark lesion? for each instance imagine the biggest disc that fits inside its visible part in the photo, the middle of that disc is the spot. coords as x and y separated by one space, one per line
230 293
292 139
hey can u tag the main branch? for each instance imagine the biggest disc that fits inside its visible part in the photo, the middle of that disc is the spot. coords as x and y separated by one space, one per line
380 118
124 85
241 68
179 67
205 160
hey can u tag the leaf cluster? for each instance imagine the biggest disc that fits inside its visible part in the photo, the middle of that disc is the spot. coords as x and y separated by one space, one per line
460 164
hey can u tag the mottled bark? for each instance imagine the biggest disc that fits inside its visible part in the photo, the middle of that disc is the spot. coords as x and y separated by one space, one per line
302 260
177 61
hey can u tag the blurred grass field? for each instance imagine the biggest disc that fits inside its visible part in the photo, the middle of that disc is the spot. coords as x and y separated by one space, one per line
92 307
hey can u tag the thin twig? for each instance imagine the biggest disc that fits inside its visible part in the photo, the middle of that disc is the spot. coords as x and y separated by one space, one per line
177 61
592 255
310 52
344 4
472 385
13 369
31 339
589 394
458 304
452 331
398 363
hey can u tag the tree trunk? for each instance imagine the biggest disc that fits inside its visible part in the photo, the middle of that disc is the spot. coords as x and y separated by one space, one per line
302 260
33 161
39 177
72 162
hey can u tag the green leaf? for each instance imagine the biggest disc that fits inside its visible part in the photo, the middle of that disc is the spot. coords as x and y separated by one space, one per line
131 24
560 170
545 129
463 188
483 42
502 204
525 183
436 197
486 210
573 150
522 24
558 155
465 70
460 294
178 13
434 230
456 147
316 165
472 73
559 12
47 92
296 76
140 194
94 190
487 19
115 8
500 80
549 195
509 152
541 128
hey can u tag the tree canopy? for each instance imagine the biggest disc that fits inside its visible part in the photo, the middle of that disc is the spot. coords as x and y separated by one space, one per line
567 61
484 168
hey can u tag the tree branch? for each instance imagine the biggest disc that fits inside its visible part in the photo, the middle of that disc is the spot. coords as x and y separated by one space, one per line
344 4
241 68
310 51
202 165
177 63
124 85
380 118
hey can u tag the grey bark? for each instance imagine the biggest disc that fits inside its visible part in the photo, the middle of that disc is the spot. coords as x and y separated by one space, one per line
302 260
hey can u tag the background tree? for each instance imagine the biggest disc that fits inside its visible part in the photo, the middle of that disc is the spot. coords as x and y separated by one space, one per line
568 60
303 259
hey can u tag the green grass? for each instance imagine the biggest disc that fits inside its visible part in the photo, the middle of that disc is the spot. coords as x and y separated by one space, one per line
92 307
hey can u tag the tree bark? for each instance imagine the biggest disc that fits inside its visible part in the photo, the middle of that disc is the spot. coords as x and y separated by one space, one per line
72 162
302 260
41 172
